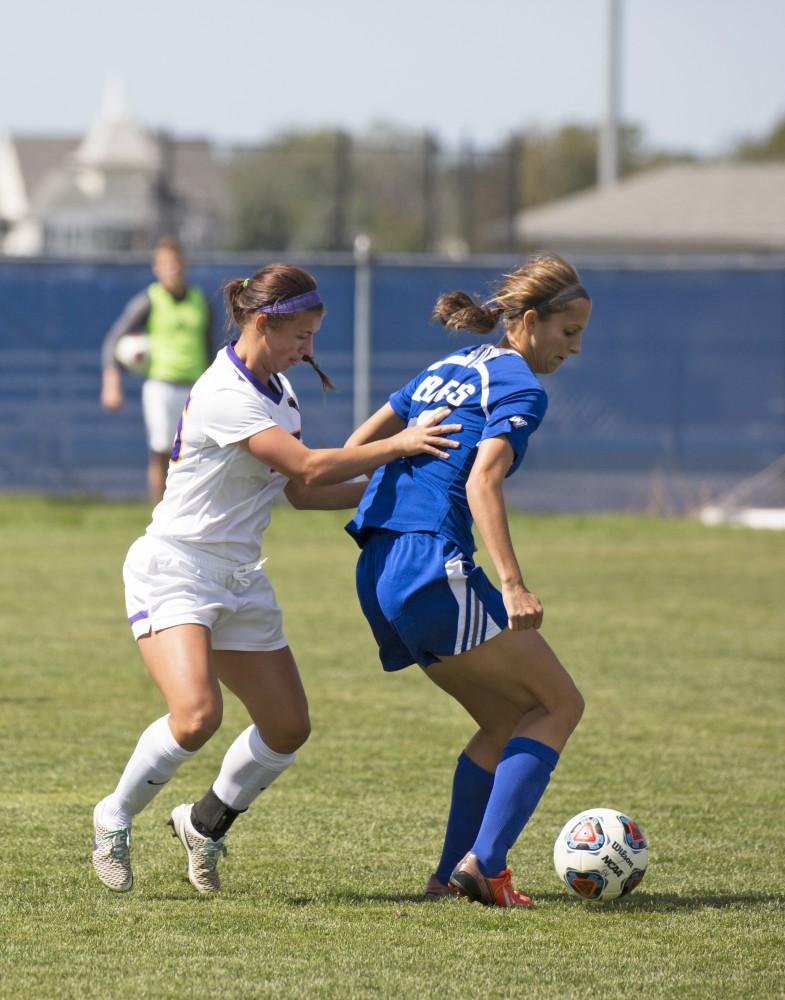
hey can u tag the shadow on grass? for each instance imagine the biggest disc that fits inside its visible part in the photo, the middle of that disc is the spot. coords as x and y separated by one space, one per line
25 699
186 896
667 902
359 897
648 902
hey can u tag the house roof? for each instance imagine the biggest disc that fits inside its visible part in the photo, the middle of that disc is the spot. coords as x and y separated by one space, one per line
695 206
114 139
46 166
40 155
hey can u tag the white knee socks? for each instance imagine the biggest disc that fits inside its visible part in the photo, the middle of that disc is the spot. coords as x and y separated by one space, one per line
248 768
155 759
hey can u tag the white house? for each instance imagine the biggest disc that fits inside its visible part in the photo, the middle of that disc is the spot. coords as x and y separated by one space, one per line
115 189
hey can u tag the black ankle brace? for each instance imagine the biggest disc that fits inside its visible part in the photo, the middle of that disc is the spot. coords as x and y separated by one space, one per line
211 817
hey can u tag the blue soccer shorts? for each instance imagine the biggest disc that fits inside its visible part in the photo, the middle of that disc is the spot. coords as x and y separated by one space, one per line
424 599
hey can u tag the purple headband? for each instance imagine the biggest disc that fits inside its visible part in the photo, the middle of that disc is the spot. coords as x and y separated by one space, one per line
308 300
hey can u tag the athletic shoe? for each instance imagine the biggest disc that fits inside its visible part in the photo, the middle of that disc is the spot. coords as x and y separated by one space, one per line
203 853
112 855
434 889
497 891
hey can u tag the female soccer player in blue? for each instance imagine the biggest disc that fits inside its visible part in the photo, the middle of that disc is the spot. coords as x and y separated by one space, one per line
427 602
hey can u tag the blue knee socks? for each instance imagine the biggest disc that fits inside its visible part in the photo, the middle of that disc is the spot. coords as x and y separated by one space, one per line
521 778
471 787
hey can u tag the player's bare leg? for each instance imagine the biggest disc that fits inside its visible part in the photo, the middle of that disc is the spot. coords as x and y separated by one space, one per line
497 719
519 667
179 660
268 684
157 466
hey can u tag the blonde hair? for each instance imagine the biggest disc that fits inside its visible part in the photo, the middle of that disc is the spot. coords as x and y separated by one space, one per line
170 243
545 283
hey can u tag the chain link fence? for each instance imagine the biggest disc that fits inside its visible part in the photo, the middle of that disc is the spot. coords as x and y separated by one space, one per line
678 395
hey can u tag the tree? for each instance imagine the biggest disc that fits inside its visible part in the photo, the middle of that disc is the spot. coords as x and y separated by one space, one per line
315 190
394 187
771 147
282 194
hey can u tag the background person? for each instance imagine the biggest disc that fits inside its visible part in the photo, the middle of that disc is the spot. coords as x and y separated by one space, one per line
198 600
427 602
177 318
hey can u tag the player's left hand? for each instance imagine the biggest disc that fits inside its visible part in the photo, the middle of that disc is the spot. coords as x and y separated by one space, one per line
428 435
524 609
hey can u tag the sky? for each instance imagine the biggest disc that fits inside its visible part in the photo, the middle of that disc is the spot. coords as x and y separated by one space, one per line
696 75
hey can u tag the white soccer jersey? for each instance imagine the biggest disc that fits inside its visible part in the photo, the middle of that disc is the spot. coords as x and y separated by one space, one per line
218 497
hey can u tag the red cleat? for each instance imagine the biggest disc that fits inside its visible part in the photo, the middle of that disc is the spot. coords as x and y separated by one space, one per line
469 881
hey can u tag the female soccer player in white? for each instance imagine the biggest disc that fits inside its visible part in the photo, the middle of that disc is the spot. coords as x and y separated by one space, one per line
427 602
198 600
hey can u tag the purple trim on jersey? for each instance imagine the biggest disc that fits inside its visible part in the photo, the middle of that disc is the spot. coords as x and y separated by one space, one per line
178 437
298 303
138 617
271 393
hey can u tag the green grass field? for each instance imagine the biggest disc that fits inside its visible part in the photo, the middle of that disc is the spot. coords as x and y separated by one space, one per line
675 634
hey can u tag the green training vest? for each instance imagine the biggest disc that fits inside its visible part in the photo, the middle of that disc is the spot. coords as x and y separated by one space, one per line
178 334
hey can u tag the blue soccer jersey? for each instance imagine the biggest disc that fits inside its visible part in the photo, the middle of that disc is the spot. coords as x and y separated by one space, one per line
492 392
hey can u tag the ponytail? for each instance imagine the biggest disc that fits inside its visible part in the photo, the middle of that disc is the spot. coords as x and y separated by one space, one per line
546 283
459 311
323 377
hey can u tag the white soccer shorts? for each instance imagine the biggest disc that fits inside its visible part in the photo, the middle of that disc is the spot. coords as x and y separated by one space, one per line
167 584
162 406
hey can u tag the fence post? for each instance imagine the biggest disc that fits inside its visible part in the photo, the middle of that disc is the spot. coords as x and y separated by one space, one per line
466 194
430 209
167 202
512 189
362 328
342 190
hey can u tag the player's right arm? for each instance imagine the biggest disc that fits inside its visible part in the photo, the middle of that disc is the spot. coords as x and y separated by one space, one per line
382 424
133 317
486 501
327 466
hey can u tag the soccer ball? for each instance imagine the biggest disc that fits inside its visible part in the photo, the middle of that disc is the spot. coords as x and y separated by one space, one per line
601 854
132 352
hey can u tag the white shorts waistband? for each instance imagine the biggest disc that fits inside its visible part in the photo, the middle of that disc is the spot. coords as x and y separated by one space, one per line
215 565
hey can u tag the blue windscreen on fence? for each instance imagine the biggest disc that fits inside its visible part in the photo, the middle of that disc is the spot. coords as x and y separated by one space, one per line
681 379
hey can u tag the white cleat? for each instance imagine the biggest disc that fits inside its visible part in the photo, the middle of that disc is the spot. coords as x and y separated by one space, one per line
112 855
203 853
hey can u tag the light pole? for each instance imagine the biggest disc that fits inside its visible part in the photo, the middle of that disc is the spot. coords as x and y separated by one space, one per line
362 328
608 146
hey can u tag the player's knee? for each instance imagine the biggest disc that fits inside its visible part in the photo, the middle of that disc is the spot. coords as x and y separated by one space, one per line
201 722
289 734
299 733
573 708
496 736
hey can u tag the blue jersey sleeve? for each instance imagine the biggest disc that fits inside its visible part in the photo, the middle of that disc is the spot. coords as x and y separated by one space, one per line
517 416
401 400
